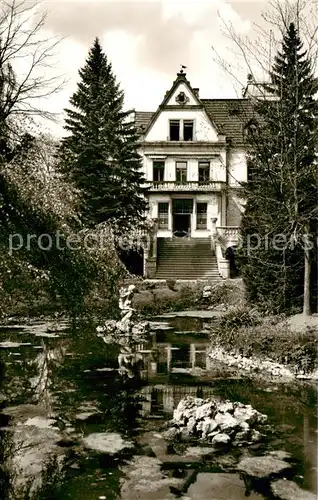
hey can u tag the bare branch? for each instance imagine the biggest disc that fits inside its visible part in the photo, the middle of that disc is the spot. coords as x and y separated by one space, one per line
21 39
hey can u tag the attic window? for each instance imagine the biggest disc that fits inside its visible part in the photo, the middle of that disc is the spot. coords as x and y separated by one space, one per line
182 98
174 130
188 130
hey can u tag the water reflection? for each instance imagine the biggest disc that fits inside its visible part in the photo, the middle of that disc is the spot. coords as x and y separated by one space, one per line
81 375
168 355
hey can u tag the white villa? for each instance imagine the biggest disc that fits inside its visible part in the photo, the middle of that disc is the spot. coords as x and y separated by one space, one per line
194 163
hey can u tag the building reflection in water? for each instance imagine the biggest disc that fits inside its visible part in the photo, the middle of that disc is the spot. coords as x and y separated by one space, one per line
164 358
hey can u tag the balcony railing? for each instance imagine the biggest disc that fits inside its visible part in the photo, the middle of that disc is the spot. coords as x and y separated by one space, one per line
185 186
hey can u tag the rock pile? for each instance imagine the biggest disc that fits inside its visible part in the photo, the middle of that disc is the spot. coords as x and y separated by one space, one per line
220 422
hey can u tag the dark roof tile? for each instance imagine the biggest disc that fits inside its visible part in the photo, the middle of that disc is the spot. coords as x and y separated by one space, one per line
142 119
230 116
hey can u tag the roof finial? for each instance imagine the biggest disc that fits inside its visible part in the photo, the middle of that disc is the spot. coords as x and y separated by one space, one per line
182 68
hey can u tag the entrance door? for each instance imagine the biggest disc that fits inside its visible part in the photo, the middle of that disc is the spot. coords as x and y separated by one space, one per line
182 209
181 224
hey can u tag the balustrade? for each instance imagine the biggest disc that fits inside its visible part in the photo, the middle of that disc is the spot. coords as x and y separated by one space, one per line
185 186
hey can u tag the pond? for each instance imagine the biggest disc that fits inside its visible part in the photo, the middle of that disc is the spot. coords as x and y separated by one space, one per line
63 397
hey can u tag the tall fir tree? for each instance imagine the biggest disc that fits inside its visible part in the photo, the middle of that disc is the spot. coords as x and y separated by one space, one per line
101 152
282 190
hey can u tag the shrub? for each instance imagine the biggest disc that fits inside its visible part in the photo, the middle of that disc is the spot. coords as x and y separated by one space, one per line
171 284
247 333
236 317
229 292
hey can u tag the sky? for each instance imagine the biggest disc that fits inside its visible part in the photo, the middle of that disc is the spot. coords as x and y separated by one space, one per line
147 42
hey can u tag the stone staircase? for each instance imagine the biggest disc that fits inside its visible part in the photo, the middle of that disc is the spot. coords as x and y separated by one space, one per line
186 259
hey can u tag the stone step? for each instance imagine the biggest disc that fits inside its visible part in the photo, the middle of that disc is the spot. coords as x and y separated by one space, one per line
180 258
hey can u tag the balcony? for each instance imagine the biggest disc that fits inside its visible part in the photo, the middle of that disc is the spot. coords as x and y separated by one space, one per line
168 186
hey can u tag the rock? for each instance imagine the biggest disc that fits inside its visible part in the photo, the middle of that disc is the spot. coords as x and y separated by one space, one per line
221 438
226 422
242 436
106 442
255 436
171 434
32 447
40 422
246 414
198 451
226 407
204 410
262 467
186 408
288 490
212 434
209 425
281 454
262 418
243 426
143 478
191 424
184 434
84 415
200 426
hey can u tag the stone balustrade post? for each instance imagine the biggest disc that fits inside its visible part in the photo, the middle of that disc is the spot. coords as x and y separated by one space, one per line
213 233
151 263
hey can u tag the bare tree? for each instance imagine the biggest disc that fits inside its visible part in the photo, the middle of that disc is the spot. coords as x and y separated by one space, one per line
283 171
254 53
26 61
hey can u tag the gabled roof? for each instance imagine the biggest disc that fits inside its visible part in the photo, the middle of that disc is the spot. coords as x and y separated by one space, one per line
181 78
228 116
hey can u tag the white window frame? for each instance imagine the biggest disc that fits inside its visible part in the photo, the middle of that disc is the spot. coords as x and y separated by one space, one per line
181 124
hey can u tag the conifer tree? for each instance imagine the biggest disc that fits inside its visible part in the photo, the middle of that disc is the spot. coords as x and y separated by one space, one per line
282 191
101 152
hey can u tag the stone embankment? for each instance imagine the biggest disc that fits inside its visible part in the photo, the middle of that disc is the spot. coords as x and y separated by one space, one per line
219 422
254 365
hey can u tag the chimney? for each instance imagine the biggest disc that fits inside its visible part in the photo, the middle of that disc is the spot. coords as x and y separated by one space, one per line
196 91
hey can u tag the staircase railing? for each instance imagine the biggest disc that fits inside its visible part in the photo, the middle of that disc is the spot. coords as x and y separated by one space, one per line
223 264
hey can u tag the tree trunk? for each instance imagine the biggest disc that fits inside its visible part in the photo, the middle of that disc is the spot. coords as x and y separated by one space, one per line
306 304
